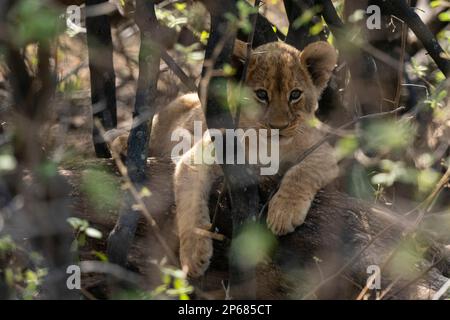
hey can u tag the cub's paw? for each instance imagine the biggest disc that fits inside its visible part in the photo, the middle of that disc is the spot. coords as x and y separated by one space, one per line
195 253
120 145
118 141
286 213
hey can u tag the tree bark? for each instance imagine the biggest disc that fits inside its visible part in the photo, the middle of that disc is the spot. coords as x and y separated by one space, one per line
103 78
338 230
138 141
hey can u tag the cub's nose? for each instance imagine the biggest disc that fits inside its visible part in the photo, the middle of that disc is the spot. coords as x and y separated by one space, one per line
278 125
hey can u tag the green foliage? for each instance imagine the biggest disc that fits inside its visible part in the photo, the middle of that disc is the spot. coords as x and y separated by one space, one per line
444 16
418 69
23 282
101 256
174 285
204 36
197 23
192 17
47 169
33 21
239 96
393 171
242 21
346 146
397 171
192 53
356 16
306 17
7 246
254 245
316 28
437 3
172 19
389 135
437 101
7 163
72 84
33 280
102 189
26 282
82 230
407 258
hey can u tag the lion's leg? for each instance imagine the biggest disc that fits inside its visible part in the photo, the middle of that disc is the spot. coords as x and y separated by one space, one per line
192 188
290 204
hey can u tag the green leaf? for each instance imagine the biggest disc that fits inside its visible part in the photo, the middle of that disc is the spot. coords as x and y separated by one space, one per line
356 16
204 36
228 70
7 162
316 29
7 245
180 6
389 135
427 179
33 21
436 3
444 16
93 233
81 239
253 245
346 146
145 193
101 256
78 224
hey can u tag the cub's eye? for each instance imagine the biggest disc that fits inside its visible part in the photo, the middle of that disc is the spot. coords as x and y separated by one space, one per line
295 95
262 95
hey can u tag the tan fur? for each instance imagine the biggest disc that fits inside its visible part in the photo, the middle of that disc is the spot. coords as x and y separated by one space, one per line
277 68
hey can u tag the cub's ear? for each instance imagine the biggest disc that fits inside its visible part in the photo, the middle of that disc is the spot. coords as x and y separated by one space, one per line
238 58
319 58
240 50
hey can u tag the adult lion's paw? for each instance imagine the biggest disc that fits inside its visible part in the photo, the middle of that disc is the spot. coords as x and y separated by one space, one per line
195 253
286 213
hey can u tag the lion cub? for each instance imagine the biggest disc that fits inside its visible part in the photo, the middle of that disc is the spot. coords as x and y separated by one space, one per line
285 86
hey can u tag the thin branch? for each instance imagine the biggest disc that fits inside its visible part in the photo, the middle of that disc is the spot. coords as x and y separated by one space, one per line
243 79
185 79
111 269
329 136
430 43
411 282
128 183
401 63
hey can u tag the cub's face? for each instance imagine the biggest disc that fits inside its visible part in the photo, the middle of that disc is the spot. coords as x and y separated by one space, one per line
286 85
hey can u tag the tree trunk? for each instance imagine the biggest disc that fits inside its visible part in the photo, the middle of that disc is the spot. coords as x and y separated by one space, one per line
334 235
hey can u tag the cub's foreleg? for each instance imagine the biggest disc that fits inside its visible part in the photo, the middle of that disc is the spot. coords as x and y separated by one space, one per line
193 183
289 206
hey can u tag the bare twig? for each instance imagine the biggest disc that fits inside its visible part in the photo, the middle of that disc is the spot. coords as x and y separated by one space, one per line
401 62
111 269
420 276
429 41
251 36
241 83
328 136
185 79
423 208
